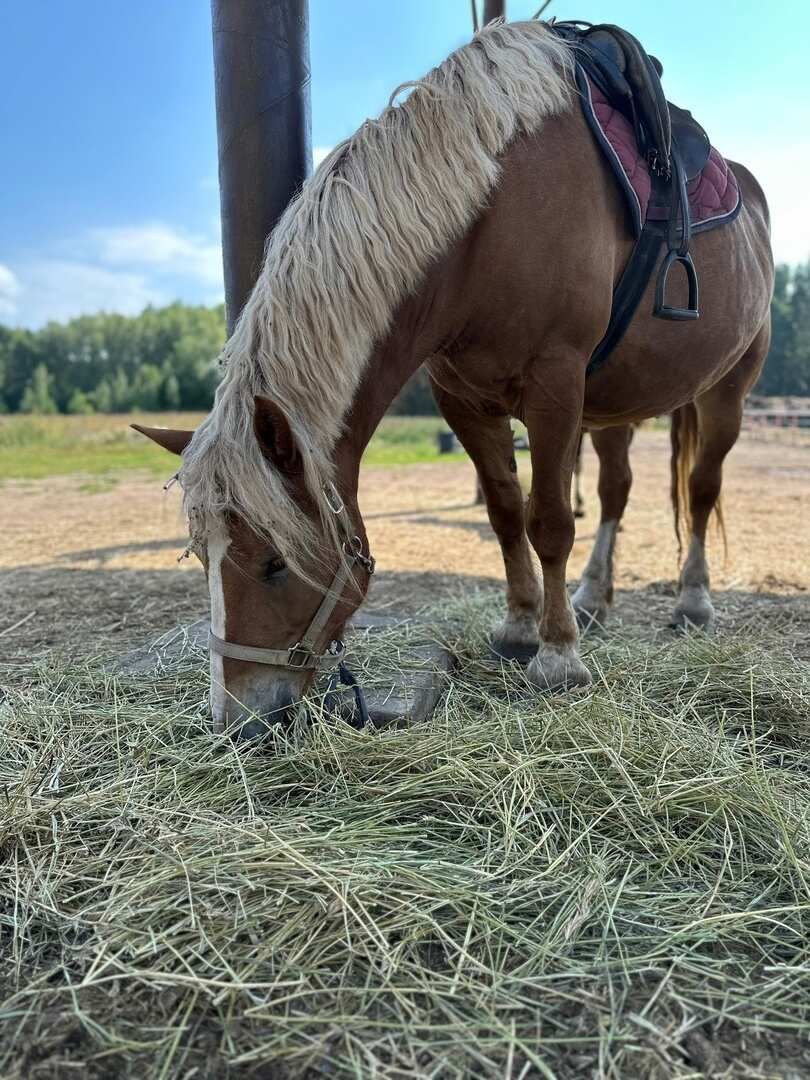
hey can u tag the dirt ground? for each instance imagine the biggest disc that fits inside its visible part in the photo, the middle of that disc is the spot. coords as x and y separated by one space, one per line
91 568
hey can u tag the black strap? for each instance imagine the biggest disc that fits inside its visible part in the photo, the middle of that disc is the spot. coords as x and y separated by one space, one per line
359 718
628 292
347 679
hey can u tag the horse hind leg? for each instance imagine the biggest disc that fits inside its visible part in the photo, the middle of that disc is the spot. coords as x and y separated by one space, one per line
706 431
594 595
488 441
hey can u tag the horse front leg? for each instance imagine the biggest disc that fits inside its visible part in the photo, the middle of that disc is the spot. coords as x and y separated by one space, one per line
488 441
553 416
594 596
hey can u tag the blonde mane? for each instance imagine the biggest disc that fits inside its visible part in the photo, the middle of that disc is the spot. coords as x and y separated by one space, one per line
355 242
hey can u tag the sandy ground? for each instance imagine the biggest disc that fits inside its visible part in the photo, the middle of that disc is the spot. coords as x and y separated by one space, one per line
91 568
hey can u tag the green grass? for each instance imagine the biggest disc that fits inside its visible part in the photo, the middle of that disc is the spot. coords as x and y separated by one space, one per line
36 447
523 886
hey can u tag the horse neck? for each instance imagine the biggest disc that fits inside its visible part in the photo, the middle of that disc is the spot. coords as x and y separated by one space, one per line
422 323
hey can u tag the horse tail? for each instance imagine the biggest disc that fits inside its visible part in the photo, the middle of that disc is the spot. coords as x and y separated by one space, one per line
684 434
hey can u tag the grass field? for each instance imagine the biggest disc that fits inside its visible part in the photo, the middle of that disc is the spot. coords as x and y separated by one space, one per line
615 884
35 447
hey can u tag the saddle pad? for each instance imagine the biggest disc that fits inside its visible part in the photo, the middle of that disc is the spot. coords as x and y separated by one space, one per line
714 195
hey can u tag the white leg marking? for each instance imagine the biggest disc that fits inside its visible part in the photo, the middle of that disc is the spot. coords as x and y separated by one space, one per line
218 541
592 599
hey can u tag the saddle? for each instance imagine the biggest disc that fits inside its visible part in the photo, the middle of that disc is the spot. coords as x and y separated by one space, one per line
613 70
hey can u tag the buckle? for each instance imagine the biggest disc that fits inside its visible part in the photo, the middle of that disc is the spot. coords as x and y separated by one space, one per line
299 657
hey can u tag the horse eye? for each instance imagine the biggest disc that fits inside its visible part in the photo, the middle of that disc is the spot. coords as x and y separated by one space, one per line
274 567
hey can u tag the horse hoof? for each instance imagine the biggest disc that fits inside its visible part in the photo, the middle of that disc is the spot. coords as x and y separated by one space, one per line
520 651
558 668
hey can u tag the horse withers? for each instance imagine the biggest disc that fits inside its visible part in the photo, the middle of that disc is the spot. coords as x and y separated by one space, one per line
475 228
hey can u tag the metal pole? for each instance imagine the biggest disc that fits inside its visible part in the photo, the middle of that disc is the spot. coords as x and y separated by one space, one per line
494 9
261 72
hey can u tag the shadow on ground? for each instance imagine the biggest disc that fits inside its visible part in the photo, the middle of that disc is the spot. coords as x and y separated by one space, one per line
99 612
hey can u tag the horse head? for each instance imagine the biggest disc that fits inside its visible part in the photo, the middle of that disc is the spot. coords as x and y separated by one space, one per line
274 627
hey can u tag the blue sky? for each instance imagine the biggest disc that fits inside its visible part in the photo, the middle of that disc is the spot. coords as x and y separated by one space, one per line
107 135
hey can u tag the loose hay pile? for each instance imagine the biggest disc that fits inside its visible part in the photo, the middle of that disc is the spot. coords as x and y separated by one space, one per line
613 884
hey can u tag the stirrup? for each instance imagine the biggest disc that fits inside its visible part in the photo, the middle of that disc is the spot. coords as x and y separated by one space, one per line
662 310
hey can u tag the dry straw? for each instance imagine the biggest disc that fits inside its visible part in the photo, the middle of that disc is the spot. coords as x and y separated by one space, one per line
600 885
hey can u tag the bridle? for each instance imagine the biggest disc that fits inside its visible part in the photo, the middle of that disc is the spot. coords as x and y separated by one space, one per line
303 656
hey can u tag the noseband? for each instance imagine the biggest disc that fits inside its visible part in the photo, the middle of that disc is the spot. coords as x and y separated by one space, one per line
303 656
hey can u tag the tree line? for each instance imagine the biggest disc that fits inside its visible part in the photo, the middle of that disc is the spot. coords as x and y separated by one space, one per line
165 359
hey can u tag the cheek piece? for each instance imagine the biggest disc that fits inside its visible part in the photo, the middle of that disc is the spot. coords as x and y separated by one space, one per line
304 655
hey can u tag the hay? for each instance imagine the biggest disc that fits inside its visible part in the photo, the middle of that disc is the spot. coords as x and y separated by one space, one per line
522 886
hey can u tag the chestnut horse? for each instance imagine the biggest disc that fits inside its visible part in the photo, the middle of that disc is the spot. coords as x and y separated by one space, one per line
475 228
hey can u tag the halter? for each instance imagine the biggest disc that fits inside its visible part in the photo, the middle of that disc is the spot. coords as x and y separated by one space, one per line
303 656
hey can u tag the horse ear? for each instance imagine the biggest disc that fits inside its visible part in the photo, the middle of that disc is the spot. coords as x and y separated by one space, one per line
170 439
274 434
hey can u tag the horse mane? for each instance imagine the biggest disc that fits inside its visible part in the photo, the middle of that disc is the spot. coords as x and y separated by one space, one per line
362 233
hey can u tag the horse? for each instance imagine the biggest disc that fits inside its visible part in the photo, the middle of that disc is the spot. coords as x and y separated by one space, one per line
475 228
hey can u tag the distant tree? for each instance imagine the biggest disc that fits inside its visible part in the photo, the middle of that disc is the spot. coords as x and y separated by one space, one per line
171 392
787 369
21 351
79 404
121 392
37 395
113 359
102 397
147 388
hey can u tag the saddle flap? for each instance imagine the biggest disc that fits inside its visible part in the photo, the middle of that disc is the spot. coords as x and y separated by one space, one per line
692 141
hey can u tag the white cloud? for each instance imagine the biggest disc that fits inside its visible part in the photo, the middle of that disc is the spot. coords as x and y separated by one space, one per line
61 289
159 248
9 291
119 268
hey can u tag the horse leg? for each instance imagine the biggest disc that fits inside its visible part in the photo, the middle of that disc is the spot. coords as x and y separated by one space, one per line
488 441
709 429
553 420
595 593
